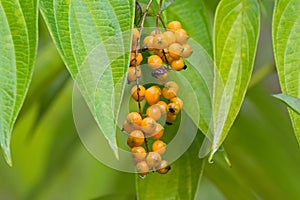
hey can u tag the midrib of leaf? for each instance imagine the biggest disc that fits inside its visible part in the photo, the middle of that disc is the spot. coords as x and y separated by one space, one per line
20 22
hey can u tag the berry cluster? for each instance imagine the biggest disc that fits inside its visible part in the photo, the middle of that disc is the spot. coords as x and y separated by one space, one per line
166 51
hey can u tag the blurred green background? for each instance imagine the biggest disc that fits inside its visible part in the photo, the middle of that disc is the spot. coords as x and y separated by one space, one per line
49 161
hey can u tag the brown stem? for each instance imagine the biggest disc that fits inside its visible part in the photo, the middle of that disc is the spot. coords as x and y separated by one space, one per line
138 42
158 16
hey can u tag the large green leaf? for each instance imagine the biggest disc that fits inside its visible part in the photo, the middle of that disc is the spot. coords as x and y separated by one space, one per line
93 38
286 42
18 44
236 33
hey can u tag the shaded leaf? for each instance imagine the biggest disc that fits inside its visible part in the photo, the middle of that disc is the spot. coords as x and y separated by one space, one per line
235 41
286 42
94 38
18 42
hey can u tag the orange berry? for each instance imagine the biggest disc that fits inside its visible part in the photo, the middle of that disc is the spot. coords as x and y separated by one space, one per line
164 167
152 95
170 37
134 59
134 118
186 50
174 26
170 118
135 36
175 50
159 147
148 42
148 125
134 93
154 62
181 36
170 90
159 41
173 108
163 107
153 159
177 101
135 138
142 168
139 153
154 112
131 75
158 132
178 65
155 32
128 127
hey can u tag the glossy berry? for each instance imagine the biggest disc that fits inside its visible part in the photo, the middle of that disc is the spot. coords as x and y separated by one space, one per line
161 74
148 125
173 108
160 41
153 159
152 95
154 112
178 65
134 92
131 74
154 62
164 167
128 127
170 118
174 26
135 36
135 139
159 147
139 154
158 132
177 101
142 168
170 90
149 42
175 50
170 37
181 36
134 59
134 118
186 51
163 107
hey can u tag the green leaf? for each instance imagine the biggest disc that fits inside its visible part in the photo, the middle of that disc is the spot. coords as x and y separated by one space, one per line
236 33
18 44
194 18
292 102
94 38
286 42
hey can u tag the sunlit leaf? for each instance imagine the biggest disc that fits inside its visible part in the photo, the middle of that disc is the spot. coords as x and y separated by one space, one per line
292 102
286 42
235 38
93 38
18 44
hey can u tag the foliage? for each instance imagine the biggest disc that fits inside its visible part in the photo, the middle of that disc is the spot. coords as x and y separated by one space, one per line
49 160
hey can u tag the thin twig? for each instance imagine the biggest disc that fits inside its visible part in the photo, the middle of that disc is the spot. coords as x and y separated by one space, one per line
138 42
